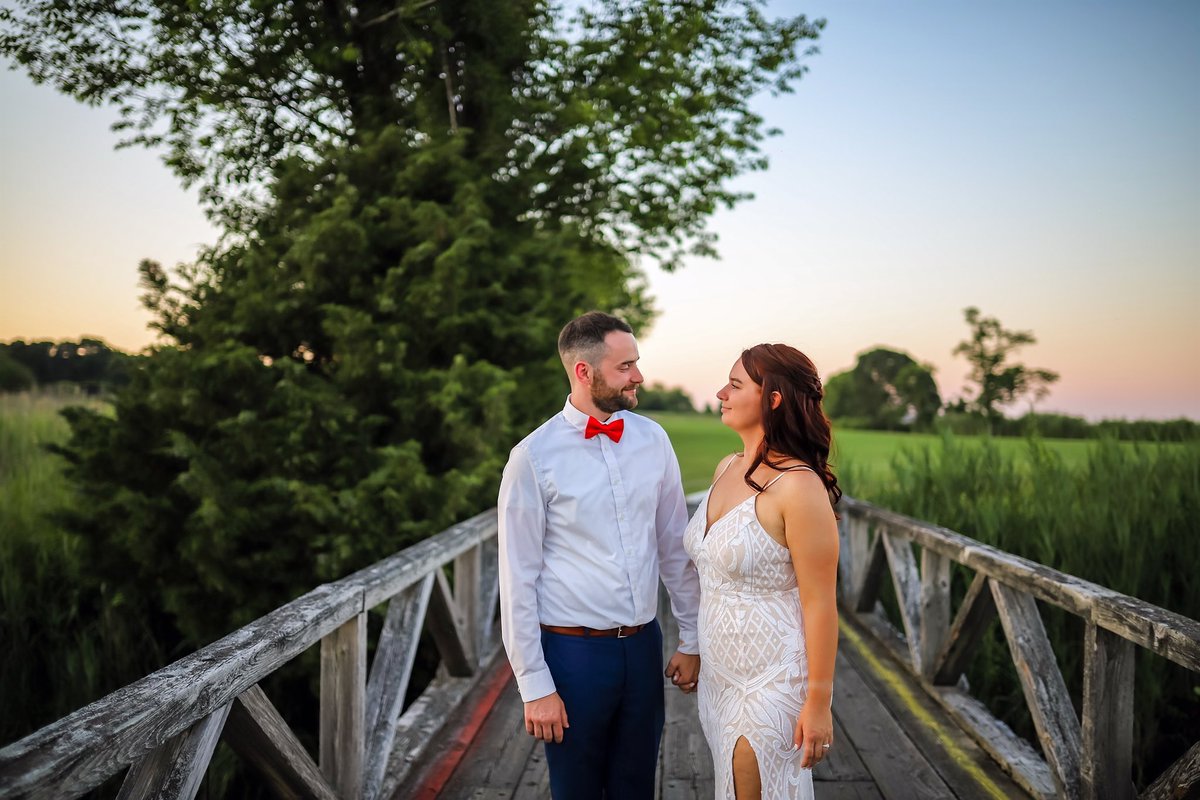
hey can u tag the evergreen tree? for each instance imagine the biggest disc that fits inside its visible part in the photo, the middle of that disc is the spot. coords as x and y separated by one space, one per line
415 197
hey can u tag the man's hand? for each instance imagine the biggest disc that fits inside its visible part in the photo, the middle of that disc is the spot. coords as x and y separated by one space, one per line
546 717
684 671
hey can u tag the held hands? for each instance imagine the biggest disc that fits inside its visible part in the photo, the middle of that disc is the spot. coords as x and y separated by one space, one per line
546 718
684 671
814 734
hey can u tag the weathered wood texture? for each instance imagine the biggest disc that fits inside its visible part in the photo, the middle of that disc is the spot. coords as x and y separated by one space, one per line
257 733
1180 782
974 615
343 705
174 771
884 747
1089 758
1170 635
1107 760
1045 690
82 750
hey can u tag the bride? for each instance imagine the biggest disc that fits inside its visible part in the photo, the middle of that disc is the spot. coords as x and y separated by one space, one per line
765 543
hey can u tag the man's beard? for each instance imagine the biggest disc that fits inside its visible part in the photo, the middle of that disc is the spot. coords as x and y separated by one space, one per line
611 400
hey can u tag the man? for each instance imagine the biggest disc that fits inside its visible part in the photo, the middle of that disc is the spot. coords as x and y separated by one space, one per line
591 514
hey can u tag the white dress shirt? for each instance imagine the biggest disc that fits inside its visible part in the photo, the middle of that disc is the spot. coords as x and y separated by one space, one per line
586 528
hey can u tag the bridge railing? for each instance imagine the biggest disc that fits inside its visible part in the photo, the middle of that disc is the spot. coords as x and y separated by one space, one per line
165 726
1086 756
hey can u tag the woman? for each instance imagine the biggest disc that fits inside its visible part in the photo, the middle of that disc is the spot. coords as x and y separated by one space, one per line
765 543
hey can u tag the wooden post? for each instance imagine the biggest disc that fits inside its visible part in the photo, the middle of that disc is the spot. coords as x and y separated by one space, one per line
468 571
935 607
1042 681
174 770
258 733
974 615
343 693
1107 762
907 581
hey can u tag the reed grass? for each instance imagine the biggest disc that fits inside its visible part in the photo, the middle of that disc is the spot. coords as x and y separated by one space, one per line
66 640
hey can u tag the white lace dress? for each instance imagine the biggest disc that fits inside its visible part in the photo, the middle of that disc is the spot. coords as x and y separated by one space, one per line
753 666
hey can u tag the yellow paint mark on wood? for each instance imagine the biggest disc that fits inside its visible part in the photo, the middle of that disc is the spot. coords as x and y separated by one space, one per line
899 685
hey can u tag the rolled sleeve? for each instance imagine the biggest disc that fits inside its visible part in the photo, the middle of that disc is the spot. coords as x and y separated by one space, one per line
521 532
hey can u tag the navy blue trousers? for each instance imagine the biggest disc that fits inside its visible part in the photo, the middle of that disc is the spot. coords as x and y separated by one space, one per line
613 692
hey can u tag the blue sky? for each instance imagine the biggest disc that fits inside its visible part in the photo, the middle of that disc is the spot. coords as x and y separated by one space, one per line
1038 160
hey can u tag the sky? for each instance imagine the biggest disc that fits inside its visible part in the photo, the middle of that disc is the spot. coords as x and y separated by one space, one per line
1038 160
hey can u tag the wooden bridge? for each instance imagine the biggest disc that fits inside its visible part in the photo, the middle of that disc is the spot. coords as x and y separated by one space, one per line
905 727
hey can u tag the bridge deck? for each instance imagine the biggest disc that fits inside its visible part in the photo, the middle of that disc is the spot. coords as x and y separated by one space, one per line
891 742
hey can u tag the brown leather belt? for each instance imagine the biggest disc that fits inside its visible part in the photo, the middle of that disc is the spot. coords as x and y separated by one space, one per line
621 632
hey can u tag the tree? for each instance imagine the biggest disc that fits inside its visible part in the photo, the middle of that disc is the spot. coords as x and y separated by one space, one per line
415 197
14 376
885 390
998 381
657 397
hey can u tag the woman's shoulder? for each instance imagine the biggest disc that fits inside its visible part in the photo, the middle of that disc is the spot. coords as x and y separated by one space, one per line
724 464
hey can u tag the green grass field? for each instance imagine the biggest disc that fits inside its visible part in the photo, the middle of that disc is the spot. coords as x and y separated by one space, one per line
862 458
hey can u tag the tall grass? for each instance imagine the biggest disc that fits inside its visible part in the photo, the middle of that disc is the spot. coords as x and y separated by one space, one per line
66 641
1126 516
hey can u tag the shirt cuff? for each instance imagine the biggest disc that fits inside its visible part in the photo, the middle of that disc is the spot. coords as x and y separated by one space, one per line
536 685
688 644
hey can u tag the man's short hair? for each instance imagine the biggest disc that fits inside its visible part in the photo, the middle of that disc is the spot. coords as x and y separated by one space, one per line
582 339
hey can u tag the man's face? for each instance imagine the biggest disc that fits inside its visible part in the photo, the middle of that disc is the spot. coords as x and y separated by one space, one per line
616 378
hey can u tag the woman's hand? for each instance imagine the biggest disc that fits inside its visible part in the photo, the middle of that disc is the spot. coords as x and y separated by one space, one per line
814 734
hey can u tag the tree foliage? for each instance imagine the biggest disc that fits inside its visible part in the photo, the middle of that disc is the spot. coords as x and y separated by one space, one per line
886 390
658 397
998 380
415 196
89 361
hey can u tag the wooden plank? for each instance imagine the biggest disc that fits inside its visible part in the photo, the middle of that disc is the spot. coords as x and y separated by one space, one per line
385 579
974 615
1042 682
907 581
534 783
967 769
845 558
82 750
468 569
895 763
1107 762
1170 635
419 729
875 564
489 596
258 733
390 674
343 706
1181 781
497 756
174 771
1014 755
445 624
843 763
935 607
1011 752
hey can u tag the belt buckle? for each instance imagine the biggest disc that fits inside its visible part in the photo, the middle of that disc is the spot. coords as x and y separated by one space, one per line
621 634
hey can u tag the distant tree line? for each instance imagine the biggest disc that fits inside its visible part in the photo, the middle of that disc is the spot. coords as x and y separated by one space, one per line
889 390
90 363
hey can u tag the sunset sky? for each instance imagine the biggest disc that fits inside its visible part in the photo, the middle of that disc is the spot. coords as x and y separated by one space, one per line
1038 160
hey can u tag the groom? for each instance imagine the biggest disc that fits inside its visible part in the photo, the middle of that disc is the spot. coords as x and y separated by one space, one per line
591 515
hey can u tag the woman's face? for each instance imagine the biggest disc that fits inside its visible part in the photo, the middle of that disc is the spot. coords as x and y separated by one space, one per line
741 400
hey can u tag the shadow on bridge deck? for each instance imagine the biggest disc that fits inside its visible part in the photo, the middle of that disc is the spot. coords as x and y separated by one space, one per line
891 742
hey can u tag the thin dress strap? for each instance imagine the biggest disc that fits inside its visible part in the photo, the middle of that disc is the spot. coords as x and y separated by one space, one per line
785 472
728 464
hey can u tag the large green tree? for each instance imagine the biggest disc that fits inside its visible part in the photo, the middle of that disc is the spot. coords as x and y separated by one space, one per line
999 381
415 196
885 390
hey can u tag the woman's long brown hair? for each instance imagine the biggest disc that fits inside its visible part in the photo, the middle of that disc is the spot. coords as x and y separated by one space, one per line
797 428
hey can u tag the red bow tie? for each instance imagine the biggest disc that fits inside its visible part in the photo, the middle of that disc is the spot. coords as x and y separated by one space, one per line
612 430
